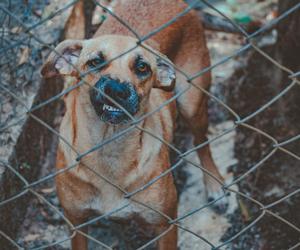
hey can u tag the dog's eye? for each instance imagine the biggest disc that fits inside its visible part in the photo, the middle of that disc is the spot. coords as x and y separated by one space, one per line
142 68
98 62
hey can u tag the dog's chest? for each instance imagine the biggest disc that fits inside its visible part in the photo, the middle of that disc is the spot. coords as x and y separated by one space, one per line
118 208
103 198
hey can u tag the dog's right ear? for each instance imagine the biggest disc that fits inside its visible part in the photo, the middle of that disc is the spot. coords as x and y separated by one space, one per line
63 59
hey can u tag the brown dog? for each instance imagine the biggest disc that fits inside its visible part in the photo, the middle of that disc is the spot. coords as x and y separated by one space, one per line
132 85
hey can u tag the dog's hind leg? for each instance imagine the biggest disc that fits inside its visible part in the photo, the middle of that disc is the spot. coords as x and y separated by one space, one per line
192 56
198 124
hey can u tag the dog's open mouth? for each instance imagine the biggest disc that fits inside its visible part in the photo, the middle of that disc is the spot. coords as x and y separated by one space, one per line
109 113
107 110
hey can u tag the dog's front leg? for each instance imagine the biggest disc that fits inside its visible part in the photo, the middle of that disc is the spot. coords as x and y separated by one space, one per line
79 241
169 240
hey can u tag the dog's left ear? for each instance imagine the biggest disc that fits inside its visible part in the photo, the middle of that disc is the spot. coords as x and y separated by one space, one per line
165 74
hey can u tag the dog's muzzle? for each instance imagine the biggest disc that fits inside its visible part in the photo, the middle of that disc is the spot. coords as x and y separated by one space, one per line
122 93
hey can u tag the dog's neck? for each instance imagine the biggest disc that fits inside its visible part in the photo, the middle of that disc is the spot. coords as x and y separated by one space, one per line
110 139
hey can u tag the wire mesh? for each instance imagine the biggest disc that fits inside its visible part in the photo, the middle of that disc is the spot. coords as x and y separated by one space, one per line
18 36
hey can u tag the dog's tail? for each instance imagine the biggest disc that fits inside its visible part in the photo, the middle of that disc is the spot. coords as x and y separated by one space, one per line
78 25
217 23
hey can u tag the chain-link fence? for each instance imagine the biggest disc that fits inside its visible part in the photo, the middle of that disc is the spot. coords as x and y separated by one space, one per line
21 31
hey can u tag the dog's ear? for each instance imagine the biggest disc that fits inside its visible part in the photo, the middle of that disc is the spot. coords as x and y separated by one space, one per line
63 59
165 74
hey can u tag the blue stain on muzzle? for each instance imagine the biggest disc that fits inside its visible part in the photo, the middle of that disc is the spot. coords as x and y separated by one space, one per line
123 93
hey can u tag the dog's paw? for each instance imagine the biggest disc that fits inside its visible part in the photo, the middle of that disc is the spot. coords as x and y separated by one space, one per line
221 202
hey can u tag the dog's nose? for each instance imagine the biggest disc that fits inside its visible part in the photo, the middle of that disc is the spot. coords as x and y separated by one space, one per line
116 90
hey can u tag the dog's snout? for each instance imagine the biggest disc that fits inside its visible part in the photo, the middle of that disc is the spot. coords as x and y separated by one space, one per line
116 90
107 93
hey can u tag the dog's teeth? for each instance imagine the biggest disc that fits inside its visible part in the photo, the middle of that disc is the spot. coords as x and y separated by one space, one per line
110 108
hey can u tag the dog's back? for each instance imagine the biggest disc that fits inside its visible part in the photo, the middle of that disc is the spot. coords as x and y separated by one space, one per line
147 18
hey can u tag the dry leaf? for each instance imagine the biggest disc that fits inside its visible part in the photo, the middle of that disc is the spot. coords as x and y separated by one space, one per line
16 29
24 56
244 211
47 190
31 237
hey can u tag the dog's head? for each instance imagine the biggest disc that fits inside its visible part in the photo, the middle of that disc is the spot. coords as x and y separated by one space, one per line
118 73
